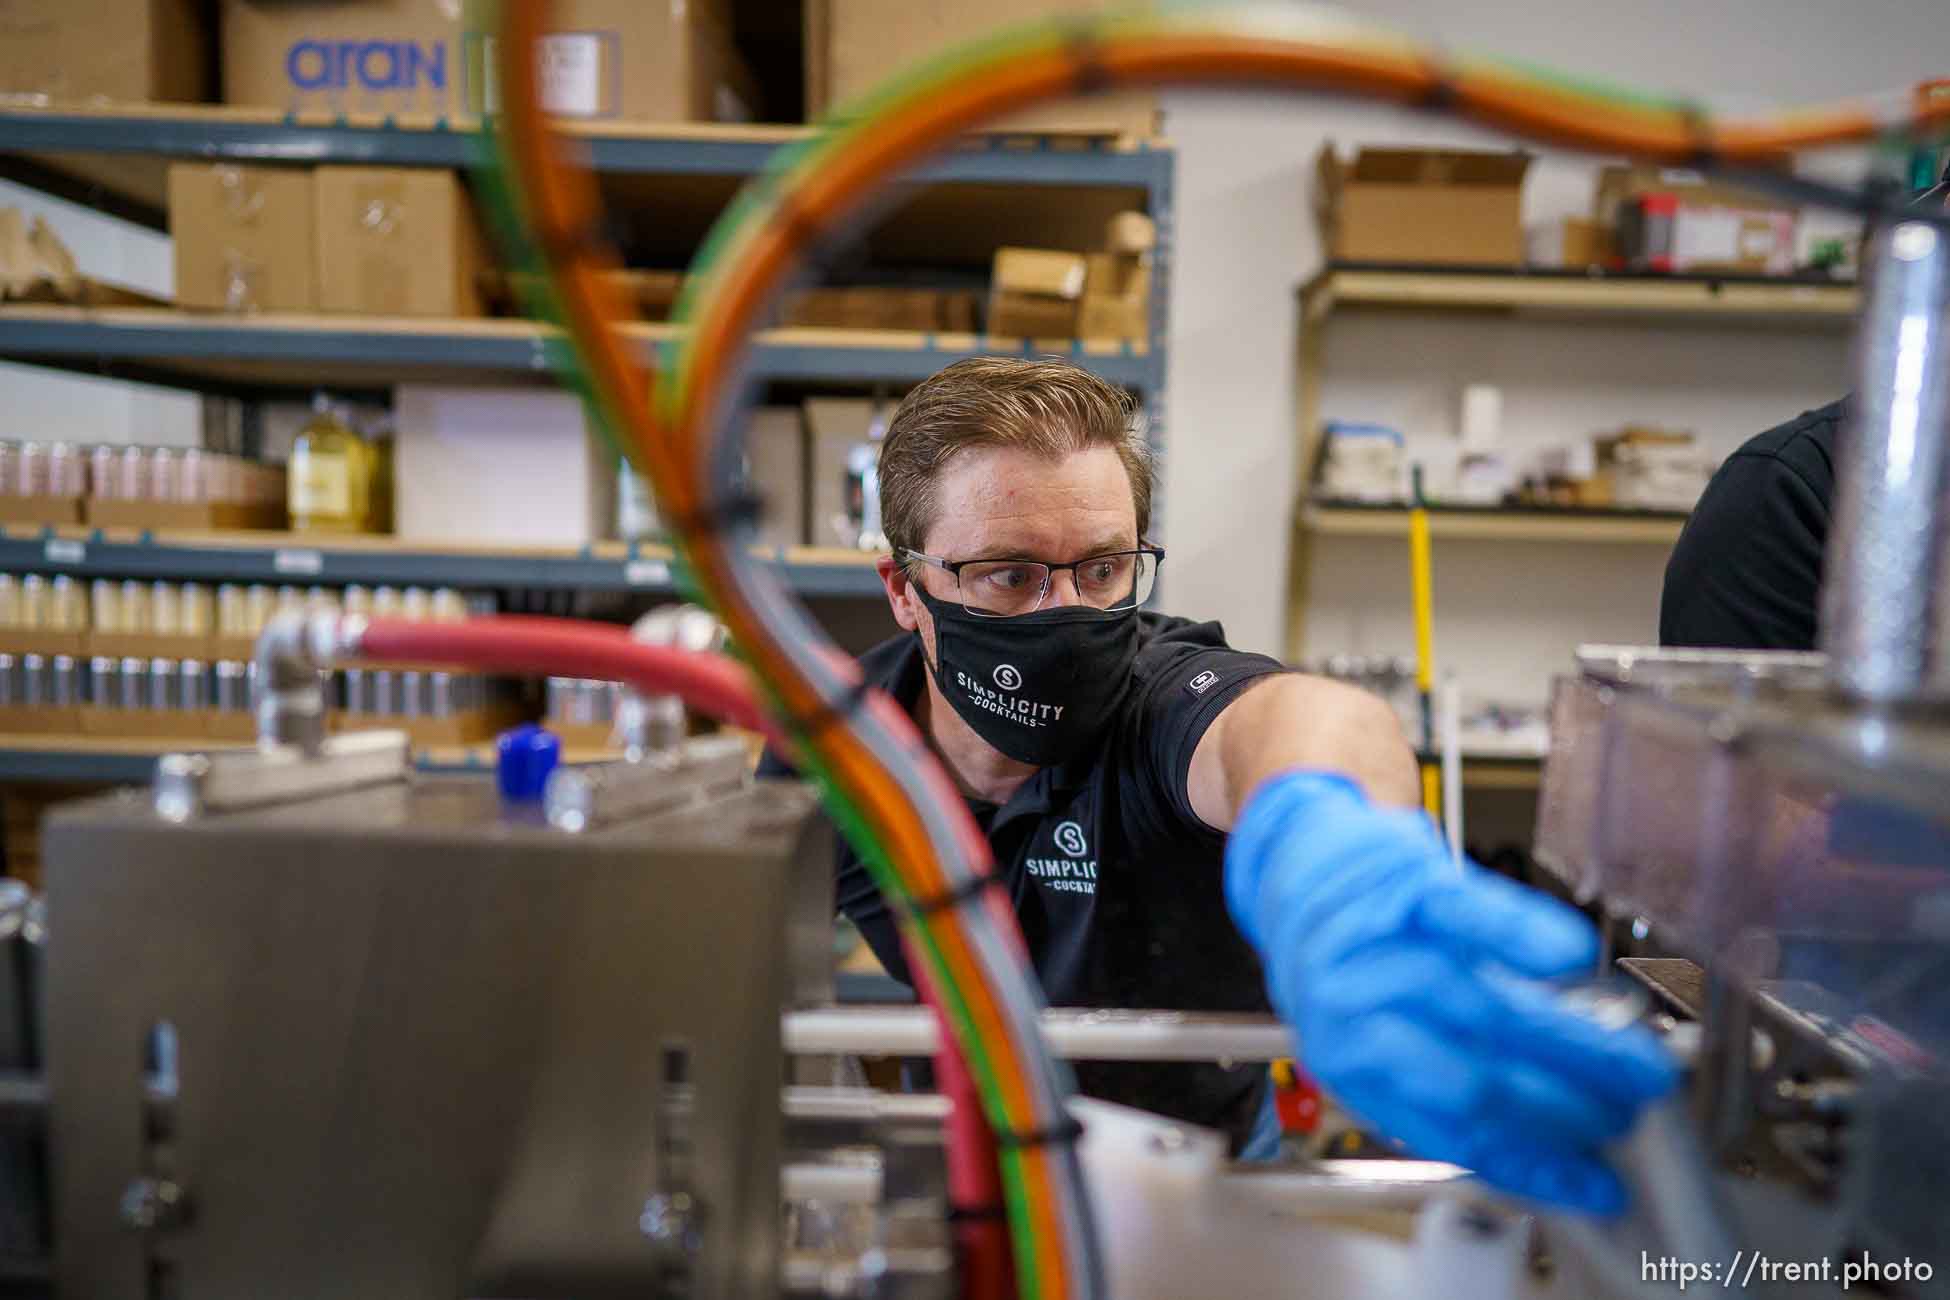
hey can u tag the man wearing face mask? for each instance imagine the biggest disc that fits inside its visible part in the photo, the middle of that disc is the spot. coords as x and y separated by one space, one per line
1183 825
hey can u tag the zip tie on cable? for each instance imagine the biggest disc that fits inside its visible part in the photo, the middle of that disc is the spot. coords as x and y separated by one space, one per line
1063 1134
973 887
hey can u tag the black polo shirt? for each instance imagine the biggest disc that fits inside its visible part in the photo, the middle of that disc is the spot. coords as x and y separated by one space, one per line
1746 572
1115 880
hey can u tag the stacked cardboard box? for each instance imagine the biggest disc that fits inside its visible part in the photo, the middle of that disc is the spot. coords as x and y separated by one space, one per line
1036 292
615 59
394 241
1117 283
76 51
852 45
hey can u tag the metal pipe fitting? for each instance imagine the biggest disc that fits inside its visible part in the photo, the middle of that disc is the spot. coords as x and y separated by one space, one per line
1881 602
293 654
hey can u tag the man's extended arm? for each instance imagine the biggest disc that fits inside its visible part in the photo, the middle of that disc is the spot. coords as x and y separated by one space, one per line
1296 721
1419 987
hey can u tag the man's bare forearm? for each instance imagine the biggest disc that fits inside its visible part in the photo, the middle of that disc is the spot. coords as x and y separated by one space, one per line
1294 720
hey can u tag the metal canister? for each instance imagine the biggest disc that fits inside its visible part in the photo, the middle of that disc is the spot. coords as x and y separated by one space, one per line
163 483
132 475
135 606
358 691
33 680
190 476
63 684
165 609
30 470
9 680
258 602
231 695
135 684
162 684
412 693
440 695
357 600
447 606
195 610
104 478
65 612
10 603
193 689
104 683
33 601
9 470
65 477
385 692
558 689
105 605
233 618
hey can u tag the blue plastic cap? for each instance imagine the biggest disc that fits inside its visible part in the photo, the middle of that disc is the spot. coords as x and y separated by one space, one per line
527 754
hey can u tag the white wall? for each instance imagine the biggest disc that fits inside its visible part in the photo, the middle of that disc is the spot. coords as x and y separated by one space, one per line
48 405
1506 615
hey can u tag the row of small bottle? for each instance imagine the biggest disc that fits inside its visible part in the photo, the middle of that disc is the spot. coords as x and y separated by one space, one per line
189 608
120 473
63 681
129 684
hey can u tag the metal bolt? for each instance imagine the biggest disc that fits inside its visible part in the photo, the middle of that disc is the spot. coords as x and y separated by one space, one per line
673 1219
155 1205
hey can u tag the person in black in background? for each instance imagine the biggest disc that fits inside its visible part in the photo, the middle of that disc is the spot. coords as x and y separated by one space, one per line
1746 572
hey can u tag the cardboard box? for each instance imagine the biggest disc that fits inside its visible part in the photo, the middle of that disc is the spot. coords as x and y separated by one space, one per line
1569 243
244 237
1130 232
776 451
853 45
397 241
1041 271
1433 206
1116 302
834 426
1032 316
40 510
74 51
1674 219
508 465
1672 233
650 60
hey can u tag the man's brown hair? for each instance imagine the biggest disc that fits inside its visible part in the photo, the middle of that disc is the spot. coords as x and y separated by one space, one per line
1044 406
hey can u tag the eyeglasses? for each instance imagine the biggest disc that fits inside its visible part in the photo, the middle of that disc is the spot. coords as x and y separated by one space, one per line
1006 588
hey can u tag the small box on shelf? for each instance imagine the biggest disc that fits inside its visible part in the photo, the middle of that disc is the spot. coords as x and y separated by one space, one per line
397 241
1035 292
244 237
1446 206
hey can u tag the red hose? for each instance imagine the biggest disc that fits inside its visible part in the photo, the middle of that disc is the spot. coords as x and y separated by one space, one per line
714 685
562 647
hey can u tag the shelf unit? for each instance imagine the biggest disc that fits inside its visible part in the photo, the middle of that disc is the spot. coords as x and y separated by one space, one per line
1570 297
285 355
115 158
1451 524
304 559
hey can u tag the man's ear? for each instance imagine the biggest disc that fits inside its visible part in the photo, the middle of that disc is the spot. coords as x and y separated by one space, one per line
900 592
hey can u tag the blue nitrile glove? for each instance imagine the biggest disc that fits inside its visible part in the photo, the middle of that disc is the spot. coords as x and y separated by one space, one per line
1397 974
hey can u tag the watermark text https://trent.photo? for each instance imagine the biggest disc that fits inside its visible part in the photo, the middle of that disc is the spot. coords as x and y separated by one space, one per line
1748 1267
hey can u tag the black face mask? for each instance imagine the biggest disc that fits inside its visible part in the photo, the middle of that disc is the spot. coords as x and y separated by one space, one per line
1038 687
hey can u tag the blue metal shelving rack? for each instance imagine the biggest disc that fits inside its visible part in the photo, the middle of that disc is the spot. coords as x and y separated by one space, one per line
256 359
